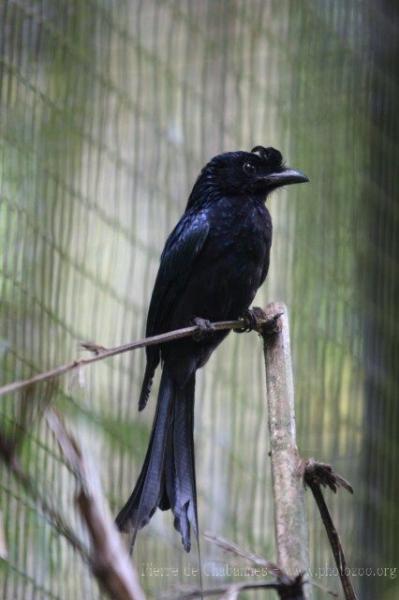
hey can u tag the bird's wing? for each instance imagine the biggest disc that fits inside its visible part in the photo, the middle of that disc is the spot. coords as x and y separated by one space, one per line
181 250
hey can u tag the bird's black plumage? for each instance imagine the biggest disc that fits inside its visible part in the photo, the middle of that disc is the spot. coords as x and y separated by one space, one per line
211 267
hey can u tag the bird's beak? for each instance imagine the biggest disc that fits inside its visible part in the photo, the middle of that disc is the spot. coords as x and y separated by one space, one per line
286 177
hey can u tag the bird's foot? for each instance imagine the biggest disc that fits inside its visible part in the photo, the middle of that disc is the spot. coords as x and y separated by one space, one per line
205 328
252 319
256 319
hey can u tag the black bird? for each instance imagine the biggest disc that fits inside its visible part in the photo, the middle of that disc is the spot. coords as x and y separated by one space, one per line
213 262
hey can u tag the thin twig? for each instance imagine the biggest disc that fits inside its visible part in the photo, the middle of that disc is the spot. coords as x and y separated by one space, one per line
101 353
255 559
290 524
316 475
258 560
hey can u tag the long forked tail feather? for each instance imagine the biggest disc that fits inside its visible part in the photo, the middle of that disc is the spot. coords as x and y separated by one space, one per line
185 502
144 499
167 478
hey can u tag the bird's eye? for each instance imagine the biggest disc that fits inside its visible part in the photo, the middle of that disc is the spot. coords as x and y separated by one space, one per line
249 168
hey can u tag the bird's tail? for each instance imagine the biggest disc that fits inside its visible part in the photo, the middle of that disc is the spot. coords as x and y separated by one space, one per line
147 383
167 478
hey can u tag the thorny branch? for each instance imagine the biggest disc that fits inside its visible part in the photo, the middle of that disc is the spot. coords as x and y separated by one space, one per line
318 474
256 318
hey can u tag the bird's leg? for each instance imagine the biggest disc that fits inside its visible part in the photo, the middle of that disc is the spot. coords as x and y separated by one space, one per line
205 328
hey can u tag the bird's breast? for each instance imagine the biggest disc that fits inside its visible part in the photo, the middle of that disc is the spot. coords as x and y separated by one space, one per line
245 232
237 253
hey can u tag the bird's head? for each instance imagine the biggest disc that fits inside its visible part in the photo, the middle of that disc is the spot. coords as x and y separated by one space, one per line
257 172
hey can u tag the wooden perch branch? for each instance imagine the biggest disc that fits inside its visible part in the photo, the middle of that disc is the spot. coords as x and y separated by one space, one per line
101 353
288 492
318 474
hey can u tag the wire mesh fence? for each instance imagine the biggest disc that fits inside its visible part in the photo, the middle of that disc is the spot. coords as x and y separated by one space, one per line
108 111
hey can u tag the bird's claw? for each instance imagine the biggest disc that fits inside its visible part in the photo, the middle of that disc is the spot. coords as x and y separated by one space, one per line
205 328
252 319
256 319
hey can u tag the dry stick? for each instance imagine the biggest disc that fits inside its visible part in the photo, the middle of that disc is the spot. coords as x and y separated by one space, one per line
101 353
9 445
315 475
3 545
113 582
7 448
288 492
109 560
334 542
